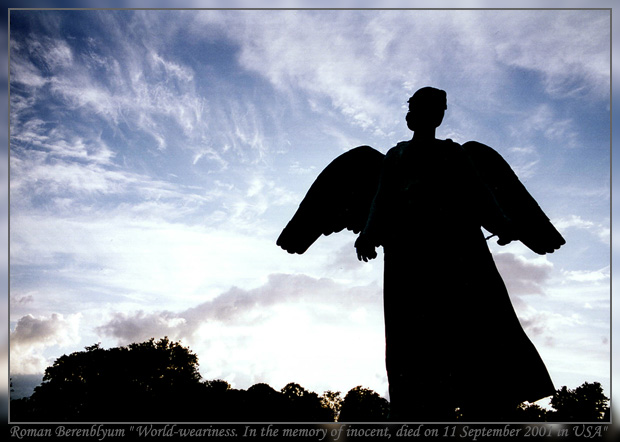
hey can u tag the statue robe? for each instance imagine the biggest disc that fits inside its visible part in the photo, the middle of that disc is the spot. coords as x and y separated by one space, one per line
452 336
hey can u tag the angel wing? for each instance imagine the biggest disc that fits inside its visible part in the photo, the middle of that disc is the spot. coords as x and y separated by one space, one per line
339 198
532 227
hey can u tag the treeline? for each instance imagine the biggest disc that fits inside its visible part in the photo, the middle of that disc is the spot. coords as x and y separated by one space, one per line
158 381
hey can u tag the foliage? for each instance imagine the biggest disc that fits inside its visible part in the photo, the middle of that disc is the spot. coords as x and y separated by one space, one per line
531 413
305 405
158 381
586 403
363 405
152 380
332 401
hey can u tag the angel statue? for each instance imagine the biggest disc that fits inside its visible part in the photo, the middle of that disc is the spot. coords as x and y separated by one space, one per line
454 345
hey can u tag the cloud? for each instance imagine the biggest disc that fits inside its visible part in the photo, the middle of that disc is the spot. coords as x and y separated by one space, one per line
140 326
142 103
246 128
596 276
377 57
30 330
22 299
53 53
45 55
122 84
33 335
26 73
69 176
542 120
244 307
288 49
37 177
548 325
523 276
598 229
557 45
172 69
61 143
122 250
315 331
345 259
246 204
297 168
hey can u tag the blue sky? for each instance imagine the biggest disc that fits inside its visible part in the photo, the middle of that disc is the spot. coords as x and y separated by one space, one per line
156 155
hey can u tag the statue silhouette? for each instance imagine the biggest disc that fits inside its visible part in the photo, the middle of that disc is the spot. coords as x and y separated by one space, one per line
453 340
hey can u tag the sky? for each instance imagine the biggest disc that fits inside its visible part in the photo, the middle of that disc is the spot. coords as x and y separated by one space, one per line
155 156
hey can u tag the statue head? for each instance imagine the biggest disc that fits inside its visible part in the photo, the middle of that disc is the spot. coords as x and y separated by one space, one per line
426 109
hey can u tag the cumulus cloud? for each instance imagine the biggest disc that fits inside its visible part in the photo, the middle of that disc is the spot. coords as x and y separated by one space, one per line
141 326
281 331
242 307
33 335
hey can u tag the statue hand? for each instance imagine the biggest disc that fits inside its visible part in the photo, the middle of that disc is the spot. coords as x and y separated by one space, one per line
365 248
508 234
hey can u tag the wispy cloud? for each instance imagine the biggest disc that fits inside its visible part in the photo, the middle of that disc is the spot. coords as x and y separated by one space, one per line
597 276
525 42
542 323
129 86
542 122
601 230
129 251
370 54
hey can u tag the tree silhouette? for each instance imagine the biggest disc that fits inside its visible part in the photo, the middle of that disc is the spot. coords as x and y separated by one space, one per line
217 386
261 403
332 401
220 402
363 405
304 405
158 381
586 403
148 381
530 413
